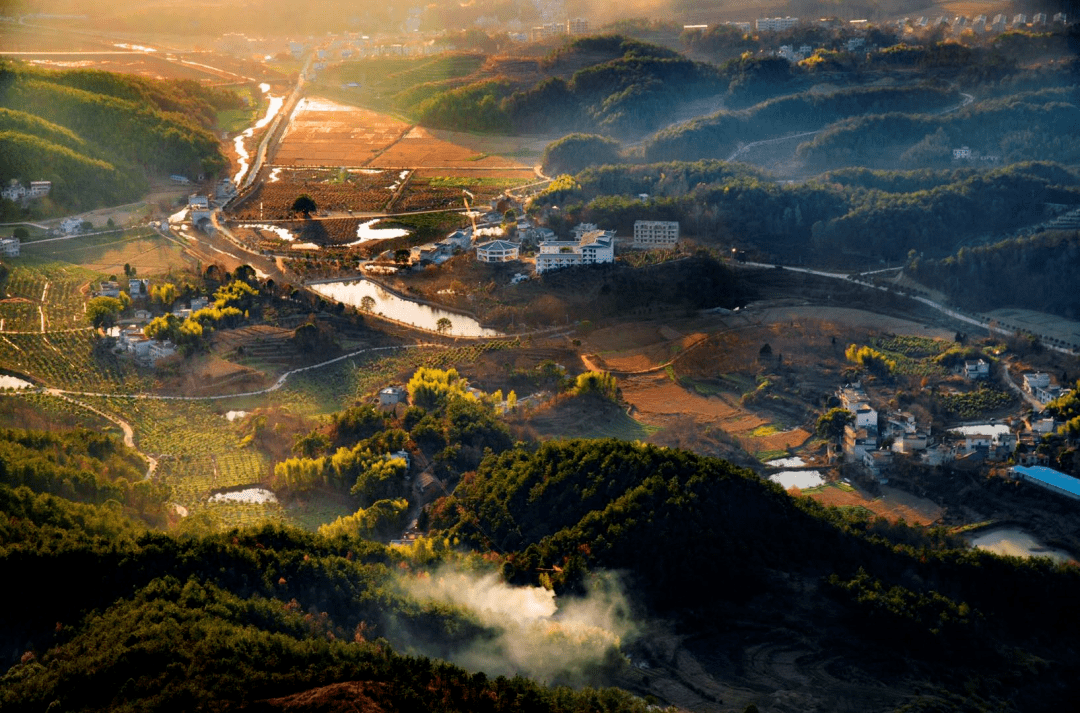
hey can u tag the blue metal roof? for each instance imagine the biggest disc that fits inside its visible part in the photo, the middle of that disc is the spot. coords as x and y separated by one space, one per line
1050 477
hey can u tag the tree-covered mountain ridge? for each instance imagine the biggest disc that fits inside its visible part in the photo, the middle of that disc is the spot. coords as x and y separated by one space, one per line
236 620
97 136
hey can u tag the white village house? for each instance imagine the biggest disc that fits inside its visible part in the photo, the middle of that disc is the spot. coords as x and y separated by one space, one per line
71 226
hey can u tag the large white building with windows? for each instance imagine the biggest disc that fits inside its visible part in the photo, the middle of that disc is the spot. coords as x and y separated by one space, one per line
592 247
656 233
776 24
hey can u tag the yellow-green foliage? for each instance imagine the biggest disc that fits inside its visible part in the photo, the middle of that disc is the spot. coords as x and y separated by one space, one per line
383 517
597 382
431 388
869 358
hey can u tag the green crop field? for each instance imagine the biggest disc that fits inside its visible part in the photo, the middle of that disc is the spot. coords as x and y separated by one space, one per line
58 289
69 360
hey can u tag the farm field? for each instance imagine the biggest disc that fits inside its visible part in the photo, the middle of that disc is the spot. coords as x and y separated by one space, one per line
435 192
68 360
324 133
419 147
893 504
332 190
52 294
145 250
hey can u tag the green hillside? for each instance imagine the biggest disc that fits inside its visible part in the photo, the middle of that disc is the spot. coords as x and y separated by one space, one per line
609 84
97 136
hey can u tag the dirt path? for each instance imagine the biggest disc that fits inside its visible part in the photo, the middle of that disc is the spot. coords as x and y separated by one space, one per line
125 427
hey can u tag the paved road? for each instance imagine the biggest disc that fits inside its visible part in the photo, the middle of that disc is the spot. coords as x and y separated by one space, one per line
1032 401
977 320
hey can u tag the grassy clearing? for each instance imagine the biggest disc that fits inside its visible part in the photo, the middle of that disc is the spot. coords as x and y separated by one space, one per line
770 429
237 514
492 182
234 120
700 387
318 509
106 254
765 456
621 426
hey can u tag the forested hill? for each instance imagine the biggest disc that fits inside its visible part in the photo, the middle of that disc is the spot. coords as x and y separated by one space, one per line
608 83
97 135
716 136
107 614
102 613
717 547
1039 270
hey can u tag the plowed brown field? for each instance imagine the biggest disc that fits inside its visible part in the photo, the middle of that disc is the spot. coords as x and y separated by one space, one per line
419 148
322 133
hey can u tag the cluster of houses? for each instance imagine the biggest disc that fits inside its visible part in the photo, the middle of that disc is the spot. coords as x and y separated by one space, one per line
145 351
16 192
872 439
1039 385
130 338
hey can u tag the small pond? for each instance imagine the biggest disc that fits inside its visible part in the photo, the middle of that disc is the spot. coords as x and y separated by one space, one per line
248 495
1016 543
353 292
14 382
801 479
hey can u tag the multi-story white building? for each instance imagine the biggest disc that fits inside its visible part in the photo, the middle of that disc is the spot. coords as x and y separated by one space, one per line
591 248
9 247
656 233
775 24
577 26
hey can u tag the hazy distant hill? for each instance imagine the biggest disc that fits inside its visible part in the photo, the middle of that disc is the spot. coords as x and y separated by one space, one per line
606 83
97 136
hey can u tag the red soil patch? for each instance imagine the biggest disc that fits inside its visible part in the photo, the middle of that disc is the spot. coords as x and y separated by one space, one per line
418 148
486 172
893 505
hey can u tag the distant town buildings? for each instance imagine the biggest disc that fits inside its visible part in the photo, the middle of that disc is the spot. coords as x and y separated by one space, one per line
656 233
391 396
977 369
577 26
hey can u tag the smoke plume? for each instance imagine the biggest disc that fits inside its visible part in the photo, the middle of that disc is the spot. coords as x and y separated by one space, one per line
559 640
